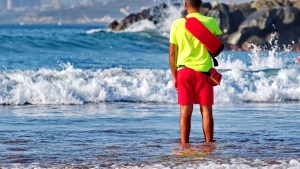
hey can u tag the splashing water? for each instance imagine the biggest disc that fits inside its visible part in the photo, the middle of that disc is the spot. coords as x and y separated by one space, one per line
108 67
172 13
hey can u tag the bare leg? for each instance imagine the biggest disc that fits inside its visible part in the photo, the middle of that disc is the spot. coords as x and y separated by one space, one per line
185 123
207 123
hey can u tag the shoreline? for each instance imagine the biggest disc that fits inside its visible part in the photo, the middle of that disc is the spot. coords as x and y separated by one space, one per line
129 135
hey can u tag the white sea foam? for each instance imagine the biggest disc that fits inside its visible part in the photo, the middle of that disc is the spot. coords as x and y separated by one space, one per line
232 164
92 31
141 26
240 86
258 60
163 27
265 60
77 86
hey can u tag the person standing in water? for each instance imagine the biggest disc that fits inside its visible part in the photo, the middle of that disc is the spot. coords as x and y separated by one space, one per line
188 58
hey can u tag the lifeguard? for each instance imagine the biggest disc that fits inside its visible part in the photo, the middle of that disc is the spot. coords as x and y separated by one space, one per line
188 58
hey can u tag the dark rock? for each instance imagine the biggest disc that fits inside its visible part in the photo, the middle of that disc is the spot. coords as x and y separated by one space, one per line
238 13
284 2
113 25
288 36
144 14
259 4
235 38
204 11
264 22
260 19
242 24
154 14
222 14
239 37
259 41
158 13
271 19
207 5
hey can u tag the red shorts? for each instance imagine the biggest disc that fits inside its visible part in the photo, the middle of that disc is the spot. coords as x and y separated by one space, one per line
193 88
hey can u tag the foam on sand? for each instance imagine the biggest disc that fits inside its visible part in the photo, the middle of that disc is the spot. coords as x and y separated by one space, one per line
230 164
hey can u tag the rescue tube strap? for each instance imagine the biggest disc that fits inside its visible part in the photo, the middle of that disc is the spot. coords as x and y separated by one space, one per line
213 44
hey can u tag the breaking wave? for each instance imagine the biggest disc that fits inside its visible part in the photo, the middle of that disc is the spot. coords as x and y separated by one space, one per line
77 86
241 83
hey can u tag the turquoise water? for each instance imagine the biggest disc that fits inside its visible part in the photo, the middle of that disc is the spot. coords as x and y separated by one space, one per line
79 96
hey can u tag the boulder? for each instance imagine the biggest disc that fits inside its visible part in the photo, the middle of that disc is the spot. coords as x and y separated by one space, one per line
204 11
115 26
239 37
259 4
235 38
256 40
207 5
239 12
287 36
241 24
158 13
222 14
154 14
264 22
269 19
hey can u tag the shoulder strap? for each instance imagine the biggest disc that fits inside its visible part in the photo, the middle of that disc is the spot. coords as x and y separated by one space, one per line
208 39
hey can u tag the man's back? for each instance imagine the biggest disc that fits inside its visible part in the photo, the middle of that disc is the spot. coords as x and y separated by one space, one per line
191 53
191 84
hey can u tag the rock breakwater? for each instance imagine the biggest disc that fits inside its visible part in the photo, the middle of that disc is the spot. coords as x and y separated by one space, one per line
262 22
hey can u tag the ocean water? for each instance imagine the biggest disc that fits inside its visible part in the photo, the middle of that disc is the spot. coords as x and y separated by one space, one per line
84 97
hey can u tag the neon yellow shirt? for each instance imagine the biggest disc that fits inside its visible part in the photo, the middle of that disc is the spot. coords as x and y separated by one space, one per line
191 52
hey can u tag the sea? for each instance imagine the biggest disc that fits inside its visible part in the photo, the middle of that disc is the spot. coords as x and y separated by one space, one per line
82 96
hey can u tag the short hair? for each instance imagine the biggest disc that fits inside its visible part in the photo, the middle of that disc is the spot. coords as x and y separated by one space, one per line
194 3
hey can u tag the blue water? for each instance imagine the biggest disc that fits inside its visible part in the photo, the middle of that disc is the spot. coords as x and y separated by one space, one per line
134 134
35 47
72 97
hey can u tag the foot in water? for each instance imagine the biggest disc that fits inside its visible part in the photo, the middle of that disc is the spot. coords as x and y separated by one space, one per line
201 150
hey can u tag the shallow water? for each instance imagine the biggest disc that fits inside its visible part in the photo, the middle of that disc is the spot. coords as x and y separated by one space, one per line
143 134
84 97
